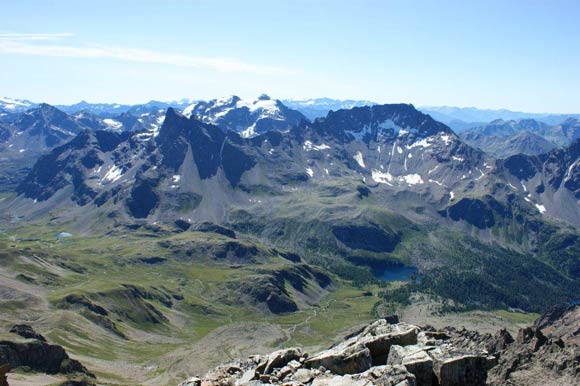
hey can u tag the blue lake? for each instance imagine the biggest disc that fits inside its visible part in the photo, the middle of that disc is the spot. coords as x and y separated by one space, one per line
395 273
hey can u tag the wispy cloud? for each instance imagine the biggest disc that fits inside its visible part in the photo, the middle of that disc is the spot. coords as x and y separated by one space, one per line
34 37
44 45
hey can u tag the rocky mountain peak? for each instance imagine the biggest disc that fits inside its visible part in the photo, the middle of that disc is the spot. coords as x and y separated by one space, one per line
174 120
390 120
264 97
48 113
246 117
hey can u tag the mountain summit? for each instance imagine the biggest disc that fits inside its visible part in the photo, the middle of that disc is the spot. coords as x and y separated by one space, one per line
248 118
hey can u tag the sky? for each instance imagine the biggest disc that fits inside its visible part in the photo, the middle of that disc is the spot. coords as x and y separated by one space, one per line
520 55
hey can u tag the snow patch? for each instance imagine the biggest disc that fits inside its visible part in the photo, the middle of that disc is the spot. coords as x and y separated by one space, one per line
309 146
541 208
113 174
249 132
387 178
421 143
112 124
446 138
358 157
413 179
310 172
381 177
437 182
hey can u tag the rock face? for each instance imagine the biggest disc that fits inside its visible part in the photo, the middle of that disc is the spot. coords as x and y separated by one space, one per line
389 352
38 355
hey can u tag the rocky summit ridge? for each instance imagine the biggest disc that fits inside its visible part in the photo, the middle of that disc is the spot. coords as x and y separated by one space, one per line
388 352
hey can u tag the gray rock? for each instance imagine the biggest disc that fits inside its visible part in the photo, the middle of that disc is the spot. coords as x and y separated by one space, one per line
388 375
338 380
456 368
431 338
304 375
381 337
290 368
343 359
531 336
379 376
416 360
281 358
247 376
193 381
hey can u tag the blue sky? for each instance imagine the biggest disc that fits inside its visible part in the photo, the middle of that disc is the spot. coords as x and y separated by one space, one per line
521 55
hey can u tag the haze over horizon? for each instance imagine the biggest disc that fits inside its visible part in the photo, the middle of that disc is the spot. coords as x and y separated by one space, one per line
484 54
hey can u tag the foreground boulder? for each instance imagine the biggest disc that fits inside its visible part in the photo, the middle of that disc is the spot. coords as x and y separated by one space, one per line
367 349
343 359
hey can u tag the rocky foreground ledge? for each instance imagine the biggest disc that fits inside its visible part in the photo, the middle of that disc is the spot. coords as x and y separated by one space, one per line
392 353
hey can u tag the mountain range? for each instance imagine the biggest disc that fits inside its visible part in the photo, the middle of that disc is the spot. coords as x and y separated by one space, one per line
527 136
391 171
463 118
170 222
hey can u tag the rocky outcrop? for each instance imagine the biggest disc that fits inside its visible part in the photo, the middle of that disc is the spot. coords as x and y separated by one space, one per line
389 352
27 332
382 353
38 355
547 353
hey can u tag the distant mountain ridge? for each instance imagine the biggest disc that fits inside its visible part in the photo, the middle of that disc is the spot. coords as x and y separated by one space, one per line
458 118
108 109
502 138
463 118
319 107
9 105
391 145
523 142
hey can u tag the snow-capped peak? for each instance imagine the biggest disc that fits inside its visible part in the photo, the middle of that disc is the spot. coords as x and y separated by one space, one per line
14 105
